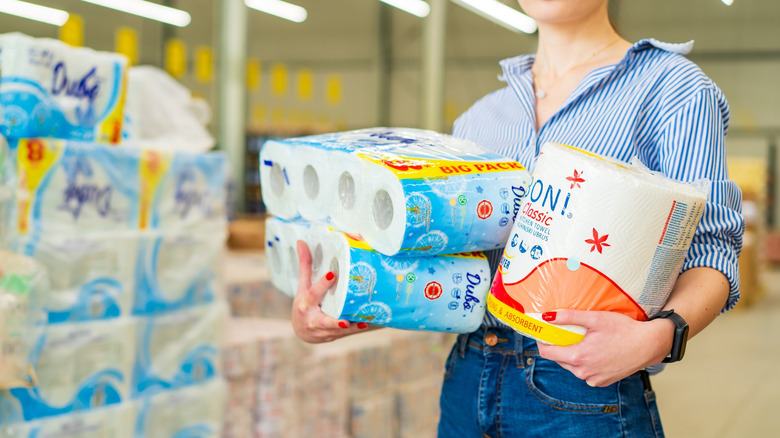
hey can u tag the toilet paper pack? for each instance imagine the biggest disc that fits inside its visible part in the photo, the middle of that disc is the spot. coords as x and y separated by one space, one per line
281 248
72 187
91 276
593 234
175 269
191 412
23 284
49 88
183 189
116 421
439 293
405 191
179 349
78 366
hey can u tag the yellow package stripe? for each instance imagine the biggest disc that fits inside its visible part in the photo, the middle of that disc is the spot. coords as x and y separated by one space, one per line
410 167
530 326
35 159
153 167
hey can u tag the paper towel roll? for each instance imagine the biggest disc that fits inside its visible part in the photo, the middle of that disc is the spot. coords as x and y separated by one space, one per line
277 265
179 349
312 167
91 276
276 179
50 88
79 366
116 421
196 411
292 232
441 293
71 187
593 234
175 269
348 206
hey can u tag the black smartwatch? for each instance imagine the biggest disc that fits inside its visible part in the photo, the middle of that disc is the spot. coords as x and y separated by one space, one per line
680 334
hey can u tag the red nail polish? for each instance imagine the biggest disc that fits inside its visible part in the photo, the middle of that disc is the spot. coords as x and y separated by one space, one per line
343 324
549 316
329 276
362 325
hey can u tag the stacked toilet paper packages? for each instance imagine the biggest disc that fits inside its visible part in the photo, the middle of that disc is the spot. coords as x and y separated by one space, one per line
49 88
130 239
593 234
408 210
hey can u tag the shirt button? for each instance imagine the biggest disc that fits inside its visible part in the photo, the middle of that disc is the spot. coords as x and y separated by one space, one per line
491 339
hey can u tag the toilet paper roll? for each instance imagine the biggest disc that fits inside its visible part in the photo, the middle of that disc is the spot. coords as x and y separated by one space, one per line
277 180
50 88
183 189
439 293
70 187
116 421
274 249
179 349
348 204
78 366
292 232
593 234
175 269
312 167
91 276
196 411
23 286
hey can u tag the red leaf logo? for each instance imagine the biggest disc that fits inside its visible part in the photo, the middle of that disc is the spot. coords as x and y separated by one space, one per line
576 179
598 242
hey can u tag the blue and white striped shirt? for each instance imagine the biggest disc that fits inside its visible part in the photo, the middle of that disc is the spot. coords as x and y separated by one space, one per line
654 104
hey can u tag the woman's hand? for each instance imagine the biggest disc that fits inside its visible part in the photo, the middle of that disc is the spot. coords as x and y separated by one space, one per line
615 345
309 322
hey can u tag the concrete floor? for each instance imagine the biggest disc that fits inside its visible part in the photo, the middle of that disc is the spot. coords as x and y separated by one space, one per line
728 385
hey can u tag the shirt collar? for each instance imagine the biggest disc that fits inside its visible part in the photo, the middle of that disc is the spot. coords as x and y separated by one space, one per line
522 64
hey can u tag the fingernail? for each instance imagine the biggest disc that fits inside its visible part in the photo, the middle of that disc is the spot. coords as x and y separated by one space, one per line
362 325
329 276
549 316
343 324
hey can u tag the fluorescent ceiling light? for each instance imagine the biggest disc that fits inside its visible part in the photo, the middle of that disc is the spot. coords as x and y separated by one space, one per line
152 11
727 2
500 14
414 7
34 12
281 9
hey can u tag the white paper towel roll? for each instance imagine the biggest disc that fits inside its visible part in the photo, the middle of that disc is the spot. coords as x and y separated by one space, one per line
292 232
439 293
277 180
348 210
593 234
274 251
312 167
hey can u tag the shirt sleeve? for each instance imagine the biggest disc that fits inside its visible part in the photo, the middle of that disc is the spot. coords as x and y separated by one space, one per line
692 147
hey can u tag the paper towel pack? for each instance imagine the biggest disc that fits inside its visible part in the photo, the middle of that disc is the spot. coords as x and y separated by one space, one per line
404 190
116 421
23 284
175 269
79 366
441 293
49 88
593 234
91 276
178 349
195 411
281 239
76 187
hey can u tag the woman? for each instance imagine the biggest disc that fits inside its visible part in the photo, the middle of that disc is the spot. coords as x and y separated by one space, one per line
586 87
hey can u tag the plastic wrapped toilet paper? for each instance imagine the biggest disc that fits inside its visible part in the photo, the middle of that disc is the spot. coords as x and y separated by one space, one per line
439 293
23 284
175 269
281 248
179 349
593 234
79 366
183 189
75 187
91 276
50 88
195 411
404 190
116 421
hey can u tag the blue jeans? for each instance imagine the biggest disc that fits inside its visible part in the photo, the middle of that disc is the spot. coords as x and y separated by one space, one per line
507 390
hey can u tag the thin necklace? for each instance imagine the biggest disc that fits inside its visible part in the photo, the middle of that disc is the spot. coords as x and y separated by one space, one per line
541 94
